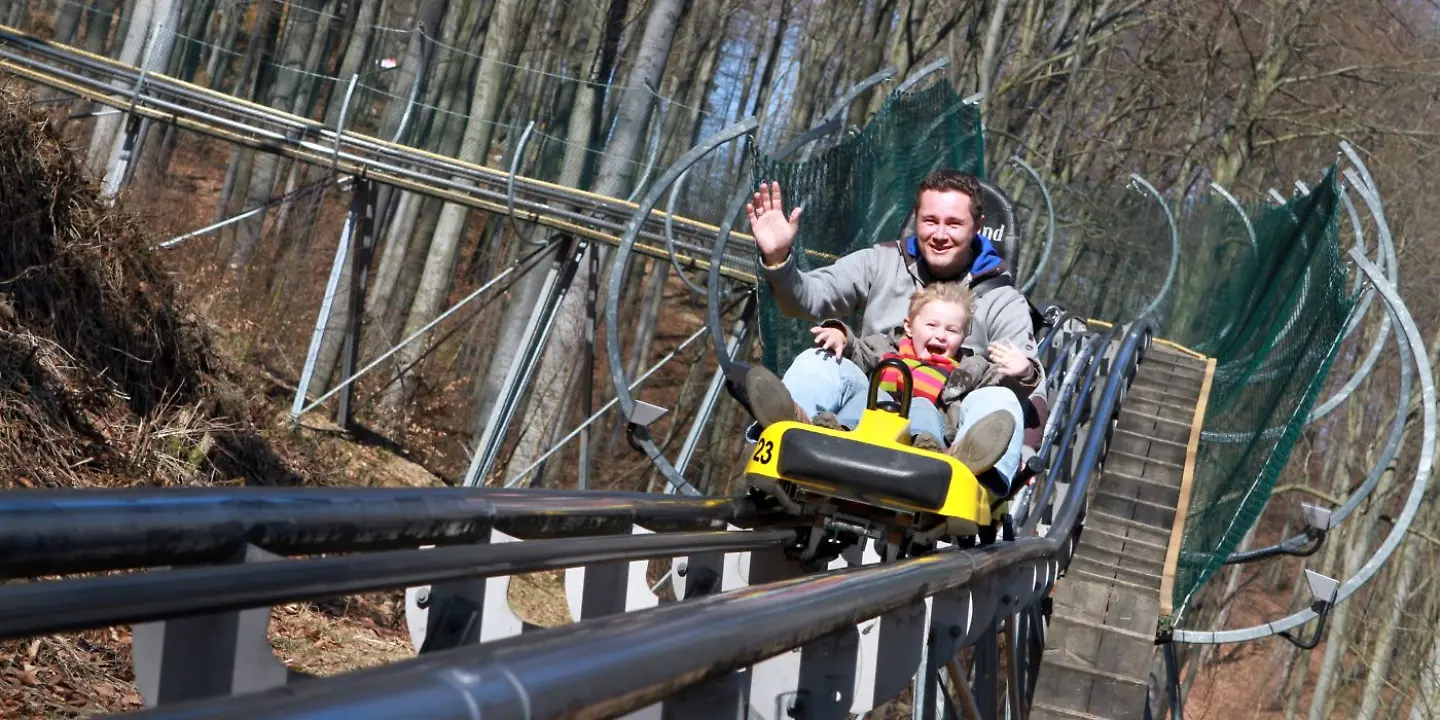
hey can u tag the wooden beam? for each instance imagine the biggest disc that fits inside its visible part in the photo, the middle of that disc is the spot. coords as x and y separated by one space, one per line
1182 509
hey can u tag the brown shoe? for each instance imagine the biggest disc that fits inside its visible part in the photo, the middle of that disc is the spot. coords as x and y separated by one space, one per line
927 442
985 442
770 400
827 420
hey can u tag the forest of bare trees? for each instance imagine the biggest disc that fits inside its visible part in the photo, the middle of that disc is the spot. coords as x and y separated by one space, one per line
1249 94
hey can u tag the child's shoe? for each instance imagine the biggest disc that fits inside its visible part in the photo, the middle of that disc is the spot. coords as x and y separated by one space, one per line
985 442
927 442
827 420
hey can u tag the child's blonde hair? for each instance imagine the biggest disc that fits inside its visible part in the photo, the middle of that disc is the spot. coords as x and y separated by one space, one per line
955 292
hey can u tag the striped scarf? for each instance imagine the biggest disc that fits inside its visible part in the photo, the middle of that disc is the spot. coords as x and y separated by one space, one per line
928 375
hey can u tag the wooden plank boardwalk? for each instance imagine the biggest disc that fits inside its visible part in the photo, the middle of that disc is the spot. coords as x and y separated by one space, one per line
1101 642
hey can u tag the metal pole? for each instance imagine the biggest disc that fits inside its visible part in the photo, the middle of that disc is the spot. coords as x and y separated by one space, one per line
272 202
362 210
537 331
923 73
322 320
587 377
522 265
515 478
617 282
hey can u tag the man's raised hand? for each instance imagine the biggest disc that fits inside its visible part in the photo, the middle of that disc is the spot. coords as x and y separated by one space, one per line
773 232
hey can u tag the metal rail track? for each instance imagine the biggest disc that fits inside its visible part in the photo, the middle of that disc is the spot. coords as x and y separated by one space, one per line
53 532
192 107
67 605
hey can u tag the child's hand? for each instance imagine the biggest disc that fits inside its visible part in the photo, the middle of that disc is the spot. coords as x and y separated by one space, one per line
1008 359
829 338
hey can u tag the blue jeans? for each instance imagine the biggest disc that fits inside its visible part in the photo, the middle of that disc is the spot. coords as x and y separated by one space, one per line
819 381
984 401
822 382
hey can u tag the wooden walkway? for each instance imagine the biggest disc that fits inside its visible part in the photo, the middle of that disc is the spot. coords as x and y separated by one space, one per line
1100 647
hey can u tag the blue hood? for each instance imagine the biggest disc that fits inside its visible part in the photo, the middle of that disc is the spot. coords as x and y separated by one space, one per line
987 258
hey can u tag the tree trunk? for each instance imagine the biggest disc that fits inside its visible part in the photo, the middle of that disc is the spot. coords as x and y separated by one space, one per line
97 26
1377 677
526 291
249 84
558 359
354 55
102 139
442 132
282 96
157 140
989 56
436 279
755 24
67 21
1427 699
232 16
772 59
411 258
875 33
399 216
15 14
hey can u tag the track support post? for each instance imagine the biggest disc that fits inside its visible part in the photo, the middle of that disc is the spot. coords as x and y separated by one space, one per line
557 282
208 656
362 247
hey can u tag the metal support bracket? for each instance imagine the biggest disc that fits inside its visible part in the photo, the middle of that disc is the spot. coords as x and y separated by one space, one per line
207 656
1322 592
537 331
637 430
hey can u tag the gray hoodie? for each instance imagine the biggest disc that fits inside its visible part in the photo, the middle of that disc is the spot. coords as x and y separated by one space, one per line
877 282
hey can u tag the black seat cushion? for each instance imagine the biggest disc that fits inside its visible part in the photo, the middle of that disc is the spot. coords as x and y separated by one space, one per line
864 469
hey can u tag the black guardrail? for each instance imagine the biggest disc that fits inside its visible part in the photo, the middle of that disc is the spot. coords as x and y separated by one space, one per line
53 532
49 607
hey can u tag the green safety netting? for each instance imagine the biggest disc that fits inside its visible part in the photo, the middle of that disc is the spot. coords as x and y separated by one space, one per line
860 191
1271 313
1273 325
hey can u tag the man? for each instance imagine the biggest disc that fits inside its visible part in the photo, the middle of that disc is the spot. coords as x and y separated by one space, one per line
878 282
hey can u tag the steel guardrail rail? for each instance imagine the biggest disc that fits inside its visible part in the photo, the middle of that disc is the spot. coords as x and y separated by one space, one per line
53 532
67 605
344 151
612 665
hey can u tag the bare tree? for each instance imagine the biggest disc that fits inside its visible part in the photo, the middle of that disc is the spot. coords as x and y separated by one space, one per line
550 395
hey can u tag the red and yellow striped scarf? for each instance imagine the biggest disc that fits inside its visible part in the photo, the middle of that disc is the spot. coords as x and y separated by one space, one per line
929 375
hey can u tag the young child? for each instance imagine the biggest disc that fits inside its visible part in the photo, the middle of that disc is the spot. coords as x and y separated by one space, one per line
942 371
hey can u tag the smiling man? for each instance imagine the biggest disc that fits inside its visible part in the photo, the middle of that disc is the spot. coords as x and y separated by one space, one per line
877 282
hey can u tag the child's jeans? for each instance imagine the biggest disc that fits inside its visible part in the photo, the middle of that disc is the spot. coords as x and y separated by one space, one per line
822 382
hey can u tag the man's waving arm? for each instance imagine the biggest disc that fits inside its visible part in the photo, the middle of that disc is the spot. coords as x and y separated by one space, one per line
835 290
832 291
